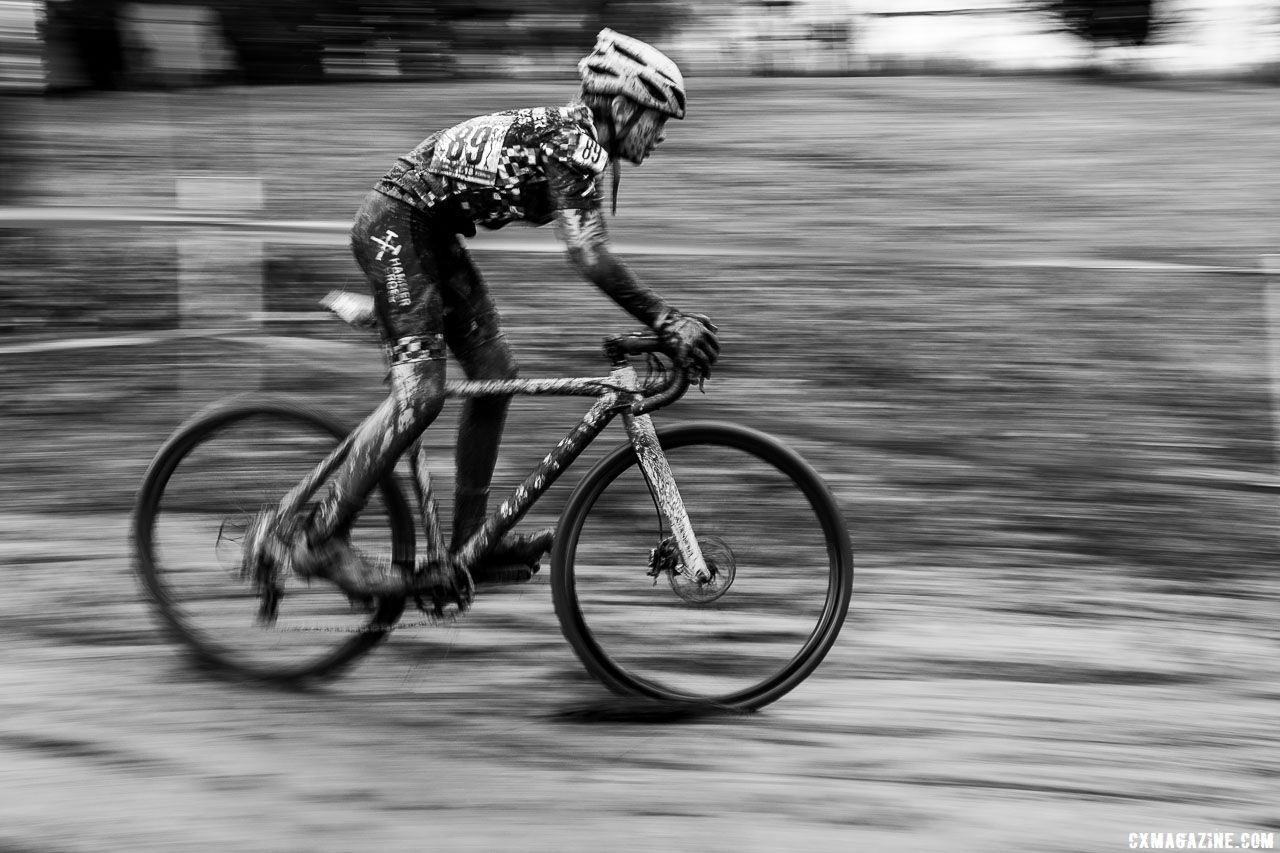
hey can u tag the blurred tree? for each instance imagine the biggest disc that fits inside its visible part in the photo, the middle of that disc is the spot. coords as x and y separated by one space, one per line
9 150
90 30
276 41
1103 22
644 19
285 41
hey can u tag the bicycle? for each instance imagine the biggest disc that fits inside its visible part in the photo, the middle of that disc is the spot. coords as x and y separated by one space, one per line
750 540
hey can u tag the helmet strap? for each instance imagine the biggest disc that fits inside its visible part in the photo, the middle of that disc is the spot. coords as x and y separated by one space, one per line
619 137
614 149
617 178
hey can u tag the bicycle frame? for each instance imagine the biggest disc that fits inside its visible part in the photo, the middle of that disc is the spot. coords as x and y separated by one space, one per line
615 394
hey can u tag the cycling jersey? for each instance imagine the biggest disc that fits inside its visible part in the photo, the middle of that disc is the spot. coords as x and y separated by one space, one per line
518 165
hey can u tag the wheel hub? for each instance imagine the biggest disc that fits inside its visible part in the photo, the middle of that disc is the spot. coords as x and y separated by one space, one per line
720 562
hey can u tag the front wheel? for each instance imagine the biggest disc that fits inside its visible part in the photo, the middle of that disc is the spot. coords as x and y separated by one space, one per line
197 501
772 535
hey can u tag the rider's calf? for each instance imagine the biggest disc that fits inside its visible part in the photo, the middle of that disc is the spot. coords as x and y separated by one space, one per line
480 432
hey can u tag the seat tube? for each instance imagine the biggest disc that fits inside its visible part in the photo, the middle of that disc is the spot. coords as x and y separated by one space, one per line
657 472
437 553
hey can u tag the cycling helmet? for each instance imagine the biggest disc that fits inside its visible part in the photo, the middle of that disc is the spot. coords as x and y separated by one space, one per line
621 65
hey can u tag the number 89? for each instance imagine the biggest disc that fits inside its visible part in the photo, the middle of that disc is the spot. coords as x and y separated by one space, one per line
472 146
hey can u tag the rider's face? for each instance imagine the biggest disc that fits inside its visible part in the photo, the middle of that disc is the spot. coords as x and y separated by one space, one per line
647 133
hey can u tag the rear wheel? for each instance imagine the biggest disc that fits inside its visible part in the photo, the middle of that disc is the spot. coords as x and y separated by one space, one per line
772 535
196 503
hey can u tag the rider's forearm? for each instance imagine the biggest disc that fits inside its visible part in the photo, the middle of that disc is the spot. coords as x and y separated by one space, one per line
617 282
583 232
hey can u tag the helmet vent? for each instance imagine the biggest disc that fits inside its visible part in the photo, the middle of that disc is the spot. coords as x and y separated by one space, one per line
654 89
604 69
634 57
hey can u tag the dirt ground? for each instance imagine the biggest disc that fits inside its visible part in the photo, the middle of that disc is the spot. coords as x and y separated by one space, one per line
1017 325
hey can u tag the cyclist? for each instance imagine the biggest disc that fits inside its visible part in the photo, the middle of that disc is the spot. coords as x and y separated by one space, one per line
541 165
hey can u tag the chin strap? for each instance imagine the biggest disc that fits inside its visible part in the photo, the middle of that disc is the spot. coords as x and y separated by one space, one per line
617 179
616 146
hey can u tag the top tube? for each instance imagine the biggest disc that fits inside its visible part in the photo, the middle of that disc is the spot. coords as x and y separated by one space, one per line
581 387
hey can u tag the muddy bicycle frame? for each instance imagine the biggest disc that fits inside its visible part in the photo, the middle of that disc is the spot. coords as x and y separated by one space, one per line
620 393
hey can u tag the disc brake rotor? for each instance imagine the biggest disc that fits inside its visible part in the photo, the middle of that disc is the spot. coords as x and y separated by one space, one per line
720 562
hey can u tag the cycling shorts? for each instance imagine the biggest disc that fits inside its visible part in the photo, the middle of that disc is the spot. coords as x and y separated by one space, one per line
427 291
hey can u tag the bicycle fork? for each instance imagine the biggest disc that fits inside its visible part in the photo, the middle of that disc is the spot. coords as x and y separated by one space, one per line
662 485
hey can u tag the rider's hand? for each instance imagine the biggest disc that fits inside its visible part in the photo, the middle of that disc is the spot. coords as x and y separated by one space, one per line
691 340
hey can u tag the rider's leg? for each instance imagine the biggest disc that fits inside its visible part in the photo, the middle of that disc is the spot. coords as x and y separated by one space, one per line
396 254
415 401
474 334
319 547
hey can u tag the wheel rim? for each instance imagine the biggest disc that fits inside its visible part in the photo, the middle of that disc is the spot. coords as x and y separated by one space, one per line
756 639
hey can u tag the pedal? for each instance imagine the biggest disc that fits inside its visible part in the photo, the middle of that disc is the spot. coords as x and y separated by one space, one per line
437 588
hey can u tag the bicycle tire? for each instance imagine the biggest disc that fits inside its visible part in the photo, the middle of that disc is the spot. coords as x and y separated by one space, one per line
173 522
627 629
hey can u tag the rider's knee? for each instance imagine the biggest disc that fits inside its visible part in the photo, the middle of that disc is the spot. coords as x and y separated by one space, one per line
426 407
419 390
491 360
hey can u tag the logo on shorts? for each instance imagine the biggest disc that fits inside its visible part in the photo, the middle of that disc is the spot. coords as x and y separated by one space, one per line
387 244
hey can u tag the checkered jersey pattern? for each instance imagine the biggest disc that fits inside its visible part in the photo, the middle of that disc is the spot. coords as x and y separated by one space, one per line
414 348
519 165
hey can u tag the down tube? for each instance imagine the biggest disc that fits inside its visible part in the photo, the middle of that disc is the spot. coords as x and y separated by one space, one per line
548 471
657 472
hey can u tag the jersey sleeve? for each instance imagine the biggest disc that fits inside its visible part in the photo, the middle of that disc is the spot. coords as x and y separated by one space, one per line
572 161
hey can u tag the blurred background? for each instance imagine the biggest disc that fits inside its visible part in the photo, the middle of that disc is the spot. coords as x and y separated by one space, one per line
1003 271
64 45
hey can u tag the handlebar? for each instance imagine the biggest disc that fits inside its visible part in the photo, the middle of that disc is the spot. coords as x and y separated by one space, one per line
618 347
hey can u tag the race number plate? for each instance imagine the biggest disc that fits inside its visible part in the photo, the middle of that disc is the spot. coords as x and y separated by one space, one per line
588 154
472 151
